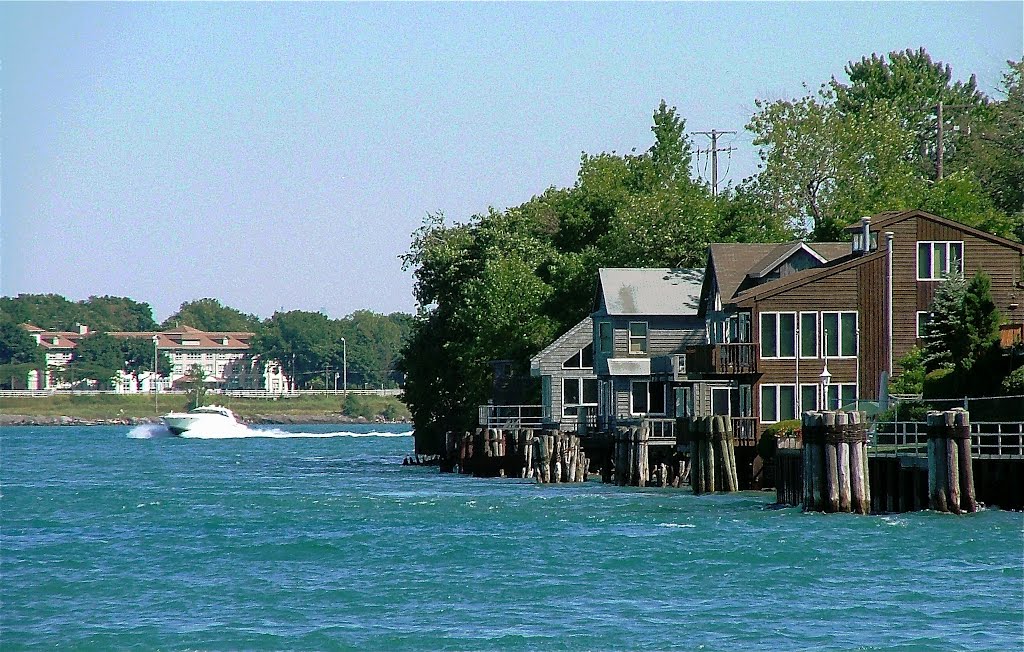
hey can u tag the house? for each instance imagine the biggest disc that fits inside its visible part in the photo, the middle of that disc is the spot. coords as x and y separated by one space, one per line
568 381
643 322
59 346
825 336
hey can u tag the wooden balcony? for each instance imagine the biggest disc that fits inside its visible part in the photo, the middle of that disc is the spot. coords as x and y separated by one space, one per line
724 359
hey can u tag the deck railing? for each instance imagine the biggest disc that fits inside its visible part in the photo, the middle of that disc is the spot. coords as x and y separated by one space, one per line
728 358
513 416
1004 439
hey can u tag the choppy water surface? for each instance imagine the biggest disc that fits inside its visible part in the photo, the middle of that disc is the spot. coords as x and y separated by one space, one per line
316 538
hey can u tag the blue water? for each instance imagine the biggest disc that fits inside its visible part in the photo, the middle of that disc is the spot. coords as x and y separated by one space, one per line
308 538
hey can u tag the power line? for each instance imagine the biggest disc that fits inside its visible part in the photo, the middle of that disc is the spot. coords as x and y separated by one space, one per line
714 149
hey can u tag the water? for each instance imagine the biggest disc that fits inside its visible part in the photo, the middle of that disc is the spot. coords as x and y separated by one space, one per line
310 537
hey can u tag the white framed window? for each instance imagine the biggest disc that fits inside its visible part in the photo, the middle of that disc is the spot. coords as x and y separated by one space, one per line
647 397
721 400
582 359
778 403
778 334
937 259
809 335
923 317
840 395
839 334
604 336
577 393
637 337
809 397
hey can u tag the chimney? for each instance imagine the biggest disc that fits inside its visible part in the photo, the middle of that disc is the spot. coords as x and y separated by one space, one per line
862 240
83 329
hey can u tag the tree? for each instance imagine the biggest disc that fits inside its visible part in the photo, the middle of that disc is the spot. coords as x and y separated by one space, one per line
137 353
963 326
911 84
19 353
109 313
911 378
823 170
194 384
98 357
210 315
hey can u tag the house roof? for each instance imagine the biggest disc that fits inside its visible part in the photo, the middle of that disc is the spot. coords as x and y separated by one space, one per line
803 277
886 219
581 331
733 262
205 340
650 291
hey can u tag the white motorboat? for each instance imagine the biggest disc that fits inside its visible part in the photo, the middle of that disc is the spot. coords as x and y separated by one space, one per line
207 417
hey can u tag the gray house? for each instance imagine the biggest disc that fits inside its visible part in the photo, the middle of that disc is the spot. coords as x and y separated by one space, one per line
568 381
644 322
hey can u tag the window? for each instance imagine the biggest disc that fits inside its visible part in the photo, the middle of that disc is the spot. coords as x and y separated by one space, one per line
647 397
923 317
778 335
809 335
577 393
582 359
604 336
638 337
845 391
721 400
778 403
839 334
936 260
809 397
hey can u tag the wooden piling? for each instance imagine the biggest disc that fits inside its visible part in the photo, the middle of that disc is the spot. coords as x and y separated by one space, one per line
962 430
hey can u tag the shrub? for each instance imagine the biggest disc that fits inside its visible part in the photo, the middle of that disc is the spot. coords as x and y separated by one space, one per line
941 383
768 444
1013 384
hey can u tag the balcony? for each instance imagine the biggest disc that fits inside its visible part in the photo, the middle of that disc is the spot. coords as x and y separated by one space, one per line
724 359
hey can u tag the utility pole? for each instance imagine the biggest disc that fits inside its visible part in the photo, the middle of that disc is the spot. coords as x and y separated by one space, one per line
940 124
714 150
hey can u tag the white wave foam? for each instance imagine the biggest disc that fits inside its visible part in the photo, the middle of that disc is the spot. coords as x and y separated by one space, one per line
152 431
677 525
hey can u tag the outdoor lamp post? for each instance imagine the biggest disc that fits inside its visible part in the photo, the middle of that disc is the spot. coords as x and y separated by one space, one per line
156 394
344 363
825 378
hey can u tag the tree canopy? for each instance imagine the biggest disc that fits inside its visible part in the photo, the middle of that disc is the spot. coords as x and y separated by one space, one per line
56 313
211 315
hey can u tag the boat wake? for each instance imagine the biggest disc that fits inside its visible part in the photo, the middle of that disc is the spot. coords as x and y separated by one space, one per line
154 431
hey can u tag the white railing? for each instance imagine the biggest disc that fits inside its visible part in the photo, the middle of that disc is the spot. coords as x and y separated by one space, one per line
236 393
512 416
988 438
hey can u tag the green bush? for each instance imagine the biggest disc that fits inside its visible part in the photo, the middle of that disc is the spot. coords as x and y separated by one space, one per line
941 383
768 444
1013 384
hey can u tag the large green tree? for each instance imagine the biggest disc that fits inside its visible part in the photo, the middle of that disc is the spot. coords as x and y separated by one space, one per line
210 315
98 357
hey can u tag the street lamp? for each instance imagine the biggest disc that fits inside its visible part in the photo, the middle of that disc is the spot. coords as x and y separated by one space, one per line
156 395
825 378
344 357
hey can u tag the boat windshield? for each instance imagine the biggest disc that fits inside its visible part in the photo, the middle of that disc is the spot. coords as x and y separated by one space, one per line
211 409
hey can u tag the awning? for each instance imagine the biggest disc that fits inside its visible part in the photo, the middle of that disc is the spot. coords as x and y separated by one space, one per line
629 367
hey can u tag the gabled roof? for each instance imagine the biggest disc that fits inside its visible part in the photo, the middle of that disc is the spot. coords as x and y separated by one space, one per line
583 332
884 220
650 291
804 277
733 262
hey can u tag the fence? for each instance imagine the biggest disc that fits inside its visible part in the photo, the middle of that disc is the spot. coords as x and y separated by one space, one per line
1004 439
234 393
512 416
988 408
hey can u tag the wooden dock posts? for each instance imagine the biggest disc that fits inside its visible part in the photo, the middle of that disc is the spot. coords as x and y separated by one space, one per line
547 456
835 470
630 456
950 464
712 453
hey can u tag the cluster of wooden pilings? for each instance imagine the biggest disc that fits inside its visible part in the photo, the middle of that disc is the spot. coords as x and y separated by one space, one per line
950 472
835 467
712 453
544 455
629 463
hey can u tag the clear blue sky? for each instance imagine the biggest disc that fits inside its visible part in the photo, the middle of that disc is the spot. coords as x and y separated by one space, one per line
279 155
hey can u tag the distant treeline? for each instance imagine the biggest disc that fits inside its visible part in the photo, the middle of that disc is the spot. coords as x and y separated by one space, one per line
309 344
504 284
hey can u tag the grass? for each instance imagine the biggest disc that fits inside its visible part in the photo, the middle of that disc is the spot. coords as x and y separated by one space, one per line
114 406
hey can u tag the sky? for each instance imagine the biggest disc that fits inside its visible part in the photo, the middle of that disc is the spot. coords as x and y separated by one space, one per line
278 156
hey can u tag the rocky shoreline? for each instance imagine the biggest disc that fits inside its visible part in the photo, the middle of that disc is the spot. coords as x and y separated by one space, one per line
256 419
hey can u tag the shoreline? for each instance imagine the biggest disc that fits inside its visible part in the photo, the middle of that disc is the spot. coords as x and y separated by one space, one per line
11 420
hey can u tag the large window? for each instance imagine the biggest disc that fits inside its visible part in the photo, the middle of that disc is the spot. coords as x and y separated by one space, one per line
839 334
809 397
778 335
778 403
582 359
577 393
604 336
809 335
647 397
938 259
841 395
638 337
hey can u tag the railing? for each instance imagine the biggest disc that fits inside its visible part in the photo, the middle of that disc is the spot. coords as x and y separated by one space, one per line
729 358
513 416
1003 439
235 393
744 430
